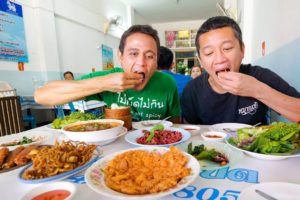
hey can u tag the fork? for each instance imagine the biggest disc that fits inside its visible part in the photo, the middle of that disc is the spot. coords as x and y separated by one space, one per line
152 124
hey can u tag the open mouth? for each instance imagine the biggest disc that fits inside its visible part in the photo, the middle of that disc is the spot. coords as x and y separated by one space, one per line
142 73
223 70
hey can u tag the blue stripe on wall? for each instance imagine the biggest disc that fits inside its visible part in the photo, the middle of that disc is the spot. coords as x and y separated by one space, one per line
23 81
285 61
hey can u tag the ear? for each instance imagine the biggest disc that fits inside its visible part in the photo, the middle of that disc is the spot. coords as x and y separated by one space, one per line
243 49
120 56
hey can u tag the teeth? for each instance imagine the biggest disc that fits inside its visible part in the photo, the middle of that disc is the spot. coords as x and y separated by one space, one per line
224 70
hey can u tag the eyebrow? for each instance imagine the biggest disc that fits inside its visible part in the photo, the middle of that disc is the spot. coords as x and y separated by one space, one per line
224 42
136 49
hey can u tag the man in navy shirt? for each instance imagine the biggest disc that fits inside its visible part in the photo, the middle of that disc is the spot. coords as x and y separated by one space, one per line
231 91
165 62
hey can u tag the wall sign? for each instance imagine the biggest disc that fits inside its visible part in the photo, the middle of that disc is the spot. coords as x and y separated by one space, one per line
12 40
107 57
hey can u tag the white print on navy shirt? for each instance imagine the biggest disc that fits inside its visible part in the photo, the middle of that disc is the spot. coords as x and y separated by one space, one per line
249 109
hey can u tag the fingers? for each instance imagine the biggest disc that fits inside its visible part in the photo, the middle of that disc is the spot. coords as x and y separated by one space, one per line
119 82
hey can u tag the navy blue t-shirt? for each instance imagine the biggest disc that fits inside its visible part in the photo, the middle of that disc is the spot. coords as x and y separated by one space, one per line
202 105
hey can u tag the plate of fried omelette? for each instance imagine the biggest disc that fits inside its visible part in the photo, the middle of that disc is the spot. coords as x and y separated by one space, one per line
142 173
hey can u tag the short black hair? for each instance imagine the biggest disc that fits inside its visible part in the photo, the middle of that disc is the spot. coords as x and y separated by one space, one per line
216 23
165 59
68 72
145 29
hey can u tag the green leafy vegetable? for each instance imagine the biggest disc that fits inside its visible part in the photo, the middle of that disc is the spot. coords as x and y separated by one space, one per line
73 117
157 127
276 139
200 152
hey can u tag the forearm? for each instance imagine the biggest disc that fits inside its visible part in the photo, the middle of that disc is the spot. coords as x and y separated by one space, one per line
60 92
285 105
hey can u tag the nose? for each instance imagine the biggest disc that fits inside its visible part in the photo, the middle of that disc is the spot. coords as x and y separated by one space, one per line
140 60
220 56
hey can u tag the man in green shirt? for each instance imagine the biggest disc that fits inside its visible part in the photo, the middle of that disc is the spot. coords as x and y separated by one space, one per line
151 94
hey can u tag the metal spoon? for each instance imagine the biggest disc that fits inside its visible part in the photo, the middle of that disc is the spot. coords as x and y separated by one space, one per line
265 195
230 130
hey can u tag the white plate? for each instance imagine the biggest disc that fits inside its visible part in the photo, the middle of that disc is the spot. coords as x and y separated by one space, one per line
233 126
278 190
139 125
263 156
100 142
133 135
59 176
50 187
94 176
38 137
232 155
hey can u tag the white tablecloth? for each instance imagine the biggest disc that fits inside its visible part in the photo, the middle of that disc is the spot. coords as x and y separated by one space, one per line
222 184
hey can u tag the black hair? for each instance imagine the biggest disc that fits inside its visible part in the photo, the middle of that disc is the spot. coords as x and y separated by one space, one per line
216 23
145 29
68 72
165 58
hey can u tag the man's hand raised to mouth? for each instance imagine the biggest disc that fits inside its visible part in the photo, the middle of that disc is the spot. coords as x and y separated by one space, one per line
239 84
119 82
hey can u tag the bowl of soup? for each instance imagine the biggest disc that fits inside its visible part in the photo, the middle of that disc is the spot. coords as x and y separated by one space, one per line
93 130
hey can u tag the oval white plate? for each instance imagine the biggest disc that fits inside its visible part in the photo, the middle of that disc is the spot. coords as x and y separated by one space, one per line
59 176
100 142
139 125
234 126
263 156
94 176
232 155
133 135
278 190
50 187
38 136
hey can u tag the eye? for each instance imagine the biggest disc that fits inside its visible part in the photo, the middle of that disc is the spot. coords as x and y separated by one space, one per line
208 53
150 56
227 48
133 53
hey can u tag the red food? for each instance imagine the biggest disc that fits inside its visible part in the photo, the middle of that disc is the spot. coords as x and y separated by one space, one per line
54 194
160 137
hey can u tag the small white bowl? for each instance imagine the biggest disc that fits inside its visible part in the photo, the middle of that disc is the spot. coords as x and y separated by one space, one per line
193 129
94 136
214 136
50 187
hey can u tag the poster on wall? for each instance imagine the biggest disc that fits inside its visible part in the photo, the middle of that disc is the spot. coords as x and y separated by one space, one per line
12 40
170 38
107 57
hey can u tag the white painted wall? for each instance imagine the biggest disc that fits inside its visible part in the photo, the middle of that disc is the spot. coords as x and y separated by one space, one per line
63 35
274 21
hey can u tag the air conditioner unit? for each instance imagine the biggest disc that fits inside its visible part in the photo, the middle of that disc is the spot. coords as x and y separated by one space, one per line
113 23
229 12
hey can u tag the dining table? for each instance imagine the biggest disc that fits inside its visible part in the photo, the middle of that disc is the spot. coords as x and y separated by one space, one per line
224 183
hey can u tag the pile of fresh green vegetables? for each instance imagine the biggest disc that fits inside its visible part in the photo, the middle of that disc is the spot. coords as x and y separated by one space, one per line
275 139
58 123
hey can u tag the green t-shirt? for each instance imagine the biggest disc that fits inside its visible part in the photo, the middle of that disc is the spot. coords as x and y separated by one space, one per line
157 100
